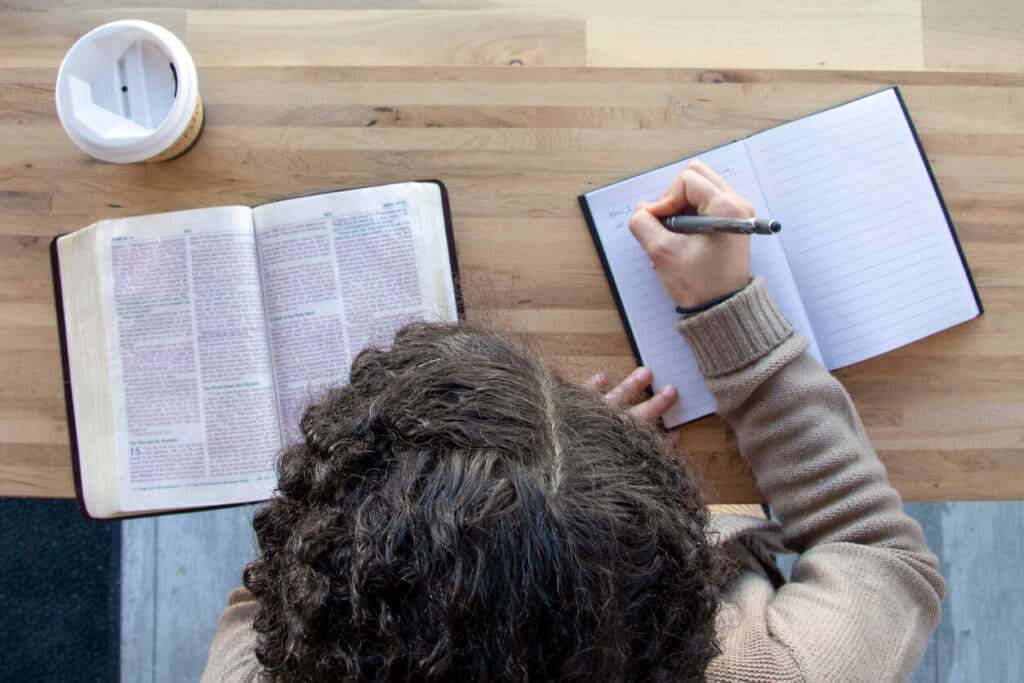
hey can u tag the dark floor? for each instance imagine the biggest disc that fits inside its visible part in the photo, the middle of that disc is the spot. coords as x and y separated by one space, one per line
59 593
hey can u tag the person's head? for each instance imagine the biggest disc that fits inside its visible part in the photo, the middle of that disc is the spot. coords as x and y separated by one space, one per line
458 513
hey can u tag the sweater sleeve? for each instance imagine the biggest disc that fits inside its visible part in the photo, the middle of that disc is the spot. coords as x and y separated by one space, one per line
232 656
866 591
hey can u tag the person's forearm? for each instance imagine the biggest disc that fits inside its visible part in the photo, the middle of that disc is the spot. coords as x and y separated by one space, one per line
866 592
797 427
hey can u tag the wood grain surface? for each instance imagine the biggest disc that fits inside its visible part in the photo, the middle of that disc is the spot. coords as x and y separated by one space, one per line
291 111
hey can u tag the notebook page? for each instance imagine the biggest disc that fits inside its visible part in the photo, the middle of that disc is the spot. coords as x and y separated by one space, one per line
649 310
863 229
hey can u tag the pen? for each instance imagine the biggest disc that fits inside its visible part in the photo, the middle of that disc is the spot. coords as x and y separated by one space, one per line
699 225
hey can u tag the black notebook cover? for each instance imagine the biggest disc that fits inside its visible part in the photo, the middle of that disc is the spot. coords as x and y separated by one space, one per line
66 368
592 227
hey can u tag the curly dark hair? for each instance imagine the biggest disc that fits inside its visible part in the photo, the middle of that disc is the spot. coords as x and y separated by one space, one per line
459 513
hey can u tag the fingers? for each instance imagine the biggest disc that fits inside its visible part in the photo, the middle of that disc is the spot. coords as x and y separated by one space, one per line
655 239
656 406
690 188
709 173
630 389
673 201
697 187
726 202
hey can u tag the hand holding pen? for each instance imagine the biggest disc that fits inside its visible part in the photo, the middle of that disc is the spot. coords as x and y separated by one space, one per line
697 268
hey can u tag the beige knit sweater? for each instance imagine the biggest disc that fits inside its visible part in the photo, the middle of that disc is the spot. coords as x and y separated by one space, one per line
865 592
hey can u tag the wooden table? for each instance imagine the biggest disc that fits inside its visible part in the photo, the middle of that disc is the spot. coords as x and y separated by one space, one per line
515 146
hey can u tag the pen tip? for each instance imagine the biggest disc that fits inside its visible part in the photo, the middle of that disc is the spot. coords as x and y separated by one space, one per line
775 226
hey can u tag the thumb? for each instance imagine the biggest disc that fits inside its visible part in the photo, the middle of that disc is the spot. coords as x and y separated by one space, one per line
648 230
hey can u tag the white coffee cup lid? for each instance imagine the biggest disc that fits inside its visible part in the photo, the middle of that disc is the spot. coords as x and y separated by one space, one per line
126 91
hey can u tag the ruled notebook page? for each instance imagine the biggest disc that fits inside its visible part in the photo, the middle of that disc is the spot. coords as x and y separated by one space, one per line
863 230
650 313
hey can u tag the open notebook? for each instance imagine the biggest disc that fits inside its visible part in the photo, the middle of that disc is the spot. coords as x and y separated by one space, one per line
867 260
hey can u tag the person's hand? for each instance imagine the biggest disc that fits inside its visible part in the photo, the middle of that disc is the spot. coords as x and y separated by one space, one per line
695 268
625 395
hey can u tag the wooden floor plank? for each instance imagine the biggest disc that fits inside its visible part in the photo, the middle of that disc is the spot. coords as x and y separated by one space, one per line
909 34
200 557
138 599
136 5
177 571
384 37
32 38
929 516
982 553
981 35
875 34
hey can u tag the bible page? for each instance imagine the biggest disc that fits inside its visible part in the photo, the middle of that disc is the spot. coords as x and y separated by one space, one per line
649 310
863 229
190 363
343 271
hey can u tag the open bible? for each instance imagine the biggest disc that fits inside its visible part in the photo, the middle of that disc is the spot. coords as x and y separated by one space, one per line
193 340
867 260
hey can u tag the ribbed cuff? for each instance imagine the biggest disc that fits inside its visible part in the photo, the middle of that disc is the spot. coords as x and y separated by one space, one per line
736 332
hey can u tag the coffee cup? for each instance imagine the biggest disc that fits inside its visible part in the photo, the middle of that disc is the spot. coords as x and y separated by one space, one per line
128 91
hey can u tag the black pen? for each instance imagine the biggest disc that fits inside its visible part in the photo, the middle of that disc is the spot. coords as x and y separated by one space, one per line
701 225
